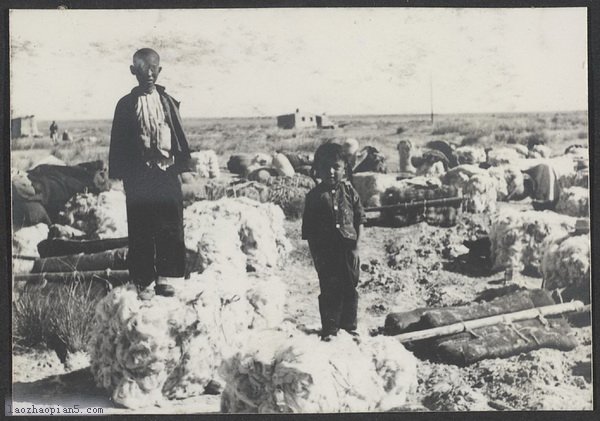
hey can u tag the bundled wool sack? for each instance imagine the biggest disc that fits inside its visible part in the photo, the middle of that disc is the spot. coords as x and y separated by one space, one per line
206 163
267 297
480 194
370 186
566 262
99 216
259 228
470 155
24 243
145 351
504 155
297 373
540 151
517 237
282 165
574 201
508 179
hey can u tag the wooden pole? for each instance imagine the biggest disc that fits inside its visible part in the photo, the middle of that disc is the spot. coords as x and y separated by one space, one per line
457 200
573 306
114 277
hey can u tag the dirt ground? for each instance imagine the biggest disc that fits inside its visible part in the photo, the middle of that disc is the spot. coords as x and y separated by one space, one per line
402 269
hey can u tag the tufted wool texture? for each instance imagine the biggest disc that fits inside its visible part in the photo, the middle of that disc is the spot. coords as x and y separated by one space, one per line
574 201
566 261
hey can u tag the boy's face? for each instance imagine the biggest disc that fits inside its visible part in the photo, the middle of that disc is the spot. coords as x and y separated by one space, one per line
146 69
332 172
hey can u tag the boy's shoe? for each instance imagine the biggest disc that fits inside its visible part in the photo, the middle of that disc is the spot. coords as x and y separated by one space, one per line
145 293
353 333
326 338
164 290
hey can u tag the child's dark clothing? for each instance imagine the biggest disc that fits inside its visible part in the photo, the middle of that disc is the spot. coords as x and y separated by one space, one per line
330 224
149 170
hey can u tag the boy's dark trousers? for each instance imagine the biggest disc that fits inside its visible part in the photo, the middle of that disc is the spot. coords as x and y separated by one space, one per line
155 225
337 265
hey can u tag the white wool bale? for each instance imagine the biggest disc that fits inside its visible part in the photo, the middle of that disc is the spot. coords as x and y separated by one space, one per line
470 155
282 165
24 243
460 175
99 216
49 160
431 170
580 154
370 186
540 151
146 351
298 373
267 298
508 179
574 201
480 194
521 150
262 160
206 163
566 261
504 155
259 226
516 237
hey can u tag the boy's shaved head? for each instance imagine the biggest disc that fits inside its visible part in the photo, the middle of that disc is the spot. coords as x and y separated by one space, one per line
142 53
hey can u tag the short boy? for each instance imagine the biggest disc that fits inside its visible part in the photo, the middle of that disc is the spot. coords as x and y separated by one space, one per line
332 222
148 151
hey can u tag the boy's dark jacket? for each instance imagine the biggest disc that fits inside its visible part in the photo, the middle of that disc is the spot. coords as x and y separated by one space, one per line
125 154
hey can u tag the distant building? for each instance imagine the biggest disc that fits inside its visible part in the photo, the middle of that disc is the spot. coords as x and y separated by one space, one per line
301 120
23 126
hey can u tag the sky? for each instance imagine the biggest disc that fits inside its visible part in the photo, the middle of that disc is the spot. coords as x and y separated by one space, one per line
74 64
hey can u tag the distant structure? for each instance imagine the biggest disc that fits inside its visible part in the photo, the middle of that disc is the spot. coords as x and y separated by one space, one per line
301 120
23 126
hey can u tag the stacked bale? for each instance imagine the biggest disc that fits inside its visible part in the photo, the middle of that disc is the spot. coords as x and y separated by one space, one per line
206 163
503 156
300 373
566 262
574 201
370 186
508 179
516 237
289 193
540 151
24 243
257 230
144 352
470 155
480 194
99 216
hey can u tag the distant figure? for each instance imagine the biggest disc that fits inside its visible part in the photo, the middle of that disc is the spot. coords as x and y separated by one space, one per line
148 151
332 222
54 132
66 137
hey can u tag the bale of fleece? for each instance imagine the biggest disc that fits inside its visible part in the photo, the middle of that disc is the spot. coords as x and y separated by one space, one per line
144 352
540 151
298 373
24 243
574 201
508 179
517 237
259 227
566 262
206 163
370 186
470 155
480 194
503 156
267 297
99 216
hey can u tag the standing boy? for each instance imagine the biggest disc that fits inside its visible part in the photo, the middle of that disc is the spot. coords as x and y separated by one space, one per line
333 217
148 151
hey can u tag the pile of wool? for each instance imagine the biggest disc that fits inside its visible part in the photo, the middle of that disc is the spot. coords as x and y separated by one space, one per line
206 163
516 237
255 228
370 186
289 193
566 169
470 155
266 296
540 151
480 193
298 373
574 201
502 156
99 216
146 351
508 179
566 262
24 243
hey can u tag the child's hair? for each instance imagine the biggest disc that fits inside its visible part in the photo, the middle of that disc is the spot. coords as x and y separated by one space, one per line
327 153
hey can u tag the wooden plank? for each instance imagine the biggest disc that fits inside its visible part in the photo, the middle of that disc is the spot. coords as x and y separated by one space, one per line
447 201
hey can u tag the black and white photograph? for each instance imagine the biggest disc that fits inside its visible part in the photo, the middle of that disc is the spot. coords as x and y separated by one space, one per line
300 210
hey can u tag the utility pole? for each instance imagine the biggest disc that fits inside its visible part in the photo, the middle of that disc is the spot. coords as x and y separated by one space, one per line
431 95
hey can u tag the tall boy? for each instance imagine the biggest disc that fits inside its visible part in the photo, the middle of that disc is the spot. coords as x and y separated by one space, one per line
148 151
333 217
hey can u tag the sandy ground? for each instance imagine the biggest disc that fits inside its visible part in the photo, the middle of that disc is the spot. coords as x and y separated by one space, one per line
402 268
